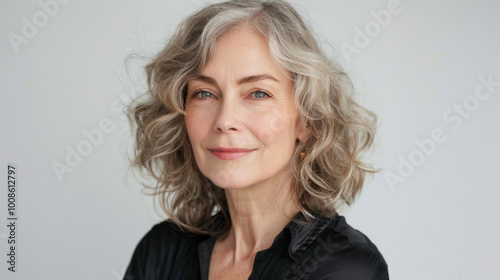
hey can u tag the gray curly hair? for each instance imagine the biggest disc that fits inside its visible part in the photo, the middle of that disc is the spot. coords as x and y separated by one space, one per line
329 174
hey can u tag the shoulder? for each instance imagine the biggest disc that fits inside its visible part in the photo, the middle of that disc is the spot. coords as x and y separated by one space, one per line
166 238
167 234
161 247
350 254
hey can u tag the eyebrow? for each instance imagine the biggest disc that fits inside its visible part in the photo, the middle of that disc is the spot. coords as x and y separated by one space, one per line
256 78
244 80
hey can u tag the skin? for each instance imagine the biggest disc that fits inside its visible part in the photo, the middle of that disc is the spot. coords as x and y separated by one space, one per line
243 100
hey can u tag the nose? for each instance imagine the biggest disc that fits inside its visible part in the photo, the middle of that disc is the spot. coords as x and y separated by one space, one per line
227 117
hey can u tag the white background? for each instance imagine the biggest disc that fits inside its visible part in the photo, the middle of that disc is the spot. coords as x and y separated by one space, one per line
442 222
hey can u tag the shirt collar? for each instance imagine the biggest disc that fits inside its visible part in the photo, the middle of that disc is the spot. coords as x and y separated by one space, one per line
301 235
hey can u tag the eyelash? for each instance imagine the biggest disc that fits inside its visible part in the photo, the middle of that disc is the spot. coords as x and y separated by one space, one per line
198 92
265 92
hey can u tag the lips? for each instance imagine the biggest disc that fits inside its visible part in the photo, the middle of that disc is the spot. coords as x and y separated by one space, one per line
229 153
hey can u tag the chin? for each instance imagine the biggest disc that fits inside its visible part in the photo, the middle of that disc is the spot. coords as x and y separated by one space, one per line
225 180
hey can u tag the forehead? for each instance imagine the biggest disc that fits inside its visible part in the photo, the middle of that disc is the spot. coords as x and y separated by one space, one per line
243 51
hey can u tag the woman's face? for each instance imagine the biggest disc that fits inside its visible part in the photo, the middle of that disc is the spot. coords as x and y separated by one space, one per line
240 114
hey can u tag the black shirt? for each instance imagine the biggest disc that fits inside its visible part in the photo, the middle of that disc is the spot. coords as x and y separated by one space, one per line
323 249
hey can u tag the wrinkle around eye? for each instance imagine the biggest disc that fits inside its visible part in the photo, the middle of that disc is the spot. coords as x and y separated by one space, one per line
264 96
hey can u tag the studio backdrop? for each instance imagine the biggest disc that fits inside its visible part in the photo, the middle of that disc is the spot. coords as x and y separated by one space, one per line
70 208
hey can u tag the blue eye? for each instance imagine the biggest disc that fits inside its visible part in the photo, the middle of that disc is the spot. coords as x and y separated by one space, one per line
260 94
203 94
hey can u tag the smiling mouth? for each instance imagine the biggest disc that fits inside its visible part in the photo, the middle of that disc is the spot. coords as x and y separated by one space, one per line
230 153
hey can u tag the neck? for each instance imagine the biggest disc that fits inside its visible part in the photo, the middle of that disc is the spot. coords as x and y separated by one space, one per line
258 215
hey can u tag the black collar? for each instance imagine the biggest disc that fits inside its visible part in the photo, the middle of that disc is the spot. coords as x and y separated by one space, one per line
301 235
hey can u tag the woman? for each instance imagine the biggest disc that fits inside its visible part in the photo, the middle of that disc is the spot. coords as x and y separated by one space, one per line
255 143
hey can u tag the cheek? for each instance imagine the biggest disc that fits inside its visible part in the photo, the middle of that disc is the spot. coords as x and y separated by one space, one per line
276 128
194 128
